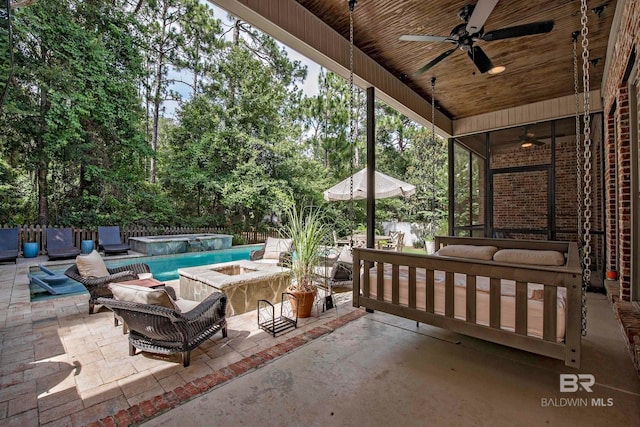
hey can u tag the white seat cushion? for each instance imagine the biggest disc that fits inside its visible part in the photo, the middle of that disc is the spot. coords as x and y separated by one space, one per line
91 265
185 305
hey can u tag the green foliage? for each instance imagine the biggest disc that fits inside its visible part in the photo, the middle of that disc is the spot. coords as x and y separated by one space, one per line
238 240
84 133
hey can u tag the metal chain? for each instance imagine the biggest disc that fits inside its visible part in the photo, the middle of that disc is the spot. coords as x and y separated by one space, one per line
578 140
586 271
351 120
433 157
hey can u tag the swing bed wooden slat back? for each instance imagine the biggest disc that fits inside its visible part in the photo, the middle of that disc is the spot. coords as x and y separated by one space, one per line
369 286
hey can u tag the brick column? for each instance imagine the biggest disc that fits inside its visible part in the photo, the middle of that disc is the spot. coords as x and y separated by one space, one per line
624 193
610 190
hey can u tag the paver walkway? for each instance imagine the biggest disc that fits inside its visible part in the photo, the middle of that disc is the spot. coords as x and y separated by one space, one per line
61 366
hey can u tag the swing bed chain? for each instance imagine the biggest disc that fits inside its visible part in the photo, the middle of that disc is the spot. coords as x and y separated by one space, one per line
352 5
432 225
579 164
586 271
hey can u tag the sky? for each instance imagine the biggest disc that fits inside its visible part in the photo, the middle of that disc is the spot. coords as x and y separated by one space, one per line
309 87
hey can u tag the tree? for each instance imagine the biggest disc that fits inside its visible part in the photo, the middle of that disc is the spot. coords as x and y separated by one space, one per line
71 110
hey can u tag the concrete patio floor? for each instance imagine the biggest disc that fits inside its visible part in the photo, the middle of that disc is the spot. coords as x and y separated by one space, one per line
60 366
381 370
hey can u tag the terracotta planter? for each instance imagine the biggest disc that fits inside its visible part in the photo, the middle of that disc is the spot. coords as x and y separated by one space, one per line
305 300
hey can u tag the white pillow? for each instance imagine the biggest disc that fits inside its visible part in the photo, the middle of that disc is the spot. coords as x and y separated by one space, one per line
484 253
273 247
345 255
91 265
530 257
141 295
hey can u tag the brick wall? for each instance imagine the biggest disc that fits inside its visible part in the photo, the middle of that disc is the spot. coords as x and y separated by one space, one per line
615 93
520 199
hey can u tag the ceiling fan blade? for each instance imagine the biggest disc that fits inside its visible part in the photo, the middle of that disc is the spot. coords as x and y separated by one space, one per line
416 38
480 14
434 62
519 31
480 59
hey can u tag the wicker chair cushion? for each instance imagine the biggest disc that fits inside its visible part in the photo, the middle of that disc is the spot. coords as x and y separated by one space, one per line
185 305
141 295
273 247
468 251
91 265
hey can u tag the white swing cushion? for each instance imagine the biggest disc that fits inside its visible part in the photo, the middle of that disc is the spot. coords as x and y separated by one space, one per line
484 253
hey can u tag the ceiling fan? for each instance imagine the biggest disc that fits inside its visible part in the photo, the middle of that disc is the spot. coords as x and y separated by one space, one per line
528 139
464 35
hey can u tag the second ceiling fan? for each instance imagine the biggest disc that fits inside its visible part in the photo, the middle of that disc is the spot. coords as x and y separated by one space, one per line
464 35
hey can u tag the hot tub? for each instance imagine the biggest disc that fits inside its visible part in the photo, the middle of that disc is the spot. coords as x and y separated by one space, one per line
243 282
179 243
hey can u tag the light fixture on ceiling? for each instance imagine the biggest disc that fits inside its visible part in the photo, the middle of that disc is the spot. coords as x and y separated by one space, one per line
496 70
528 139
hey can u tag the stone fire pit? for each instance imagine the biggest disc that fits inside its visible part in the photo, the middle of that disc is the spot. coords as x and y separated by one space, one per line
244 283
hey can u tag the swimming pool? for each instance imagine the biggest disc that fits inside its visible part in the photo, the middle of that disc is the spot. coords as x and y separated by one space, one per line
165 267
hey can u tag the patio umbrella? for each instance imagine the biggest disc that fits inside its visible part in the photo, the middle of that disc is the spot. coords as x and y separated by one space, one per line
386 186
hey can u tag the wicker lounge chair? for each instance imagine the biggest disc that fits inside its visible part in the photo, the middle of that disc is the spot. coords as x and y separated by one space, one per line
9 248
98 286
60 243
109 240
163 330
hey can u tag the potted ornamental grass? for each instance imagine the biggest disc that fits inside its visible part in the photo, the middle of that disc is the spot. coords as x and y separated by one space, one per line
308 233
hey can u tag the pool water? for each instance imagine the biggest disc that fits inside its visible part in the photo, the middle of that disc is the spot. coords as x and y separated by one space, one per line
165 267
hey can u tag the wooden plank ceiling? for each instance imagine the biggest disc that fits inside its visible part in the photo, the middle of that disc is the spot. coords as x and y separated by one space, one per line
538 67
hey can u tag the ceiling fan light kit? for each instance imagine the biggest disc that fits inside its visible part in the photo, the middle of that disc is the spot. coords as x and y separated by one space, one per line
463 36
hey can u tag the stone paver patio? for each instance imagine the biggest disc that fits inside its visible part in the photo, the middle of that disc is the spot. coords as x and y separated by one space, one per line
61 366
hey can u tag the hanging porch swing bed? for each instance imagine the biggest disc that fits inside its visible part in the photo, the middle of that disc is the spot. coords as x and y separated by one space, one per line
520 293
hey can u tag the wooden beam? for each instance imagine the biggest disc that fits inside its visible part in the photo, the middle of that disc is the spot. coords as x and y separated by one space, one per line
549 109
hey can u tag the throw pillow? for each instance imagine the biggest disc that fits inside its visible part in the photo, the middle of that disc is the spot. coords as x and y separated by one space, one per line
91 265
484 253
141 295
345 255
273 247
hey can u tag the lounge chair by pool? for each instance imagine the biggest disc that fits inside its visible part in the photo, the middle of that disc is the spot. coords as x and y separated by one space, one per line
109 240
9 248
60 243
